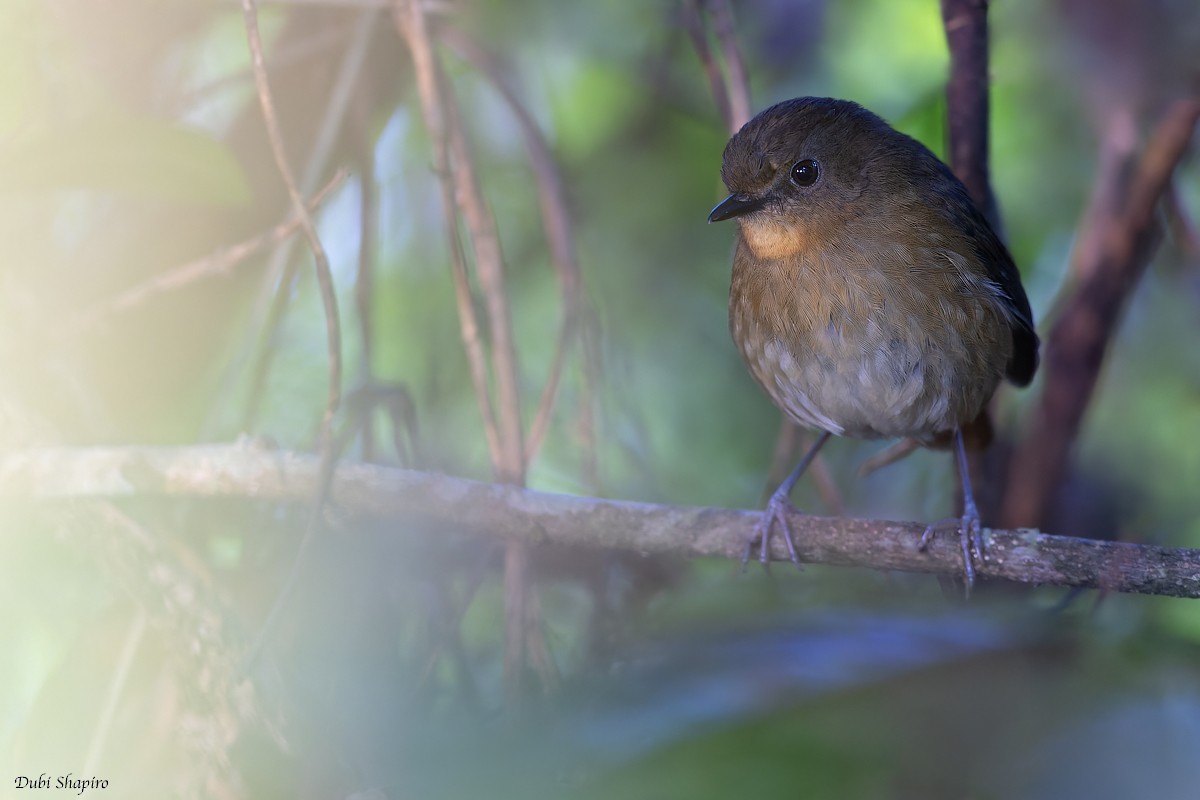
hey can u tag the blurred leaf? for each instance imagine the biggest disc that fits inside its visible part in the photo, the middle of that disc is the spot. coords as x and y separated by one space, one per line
591 106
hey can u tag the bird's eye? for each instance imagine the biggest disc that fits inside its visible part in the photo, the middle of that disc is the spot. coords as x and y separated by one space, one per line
805 172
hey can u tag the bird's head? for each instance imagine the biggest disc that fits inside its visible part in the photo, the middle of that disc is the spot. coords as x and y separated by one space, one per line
802 169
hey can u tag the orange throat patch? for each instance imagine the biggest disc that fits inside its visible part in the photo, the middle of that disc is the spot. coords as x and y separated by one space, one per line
772 240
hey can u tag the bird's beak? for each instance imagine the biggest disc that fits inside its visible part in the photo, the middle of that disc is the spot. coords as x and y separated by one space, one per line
734 206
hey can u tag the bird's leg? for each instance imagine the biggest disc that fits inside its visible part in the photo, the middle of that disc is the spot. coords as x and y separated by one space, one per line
777 509
970 525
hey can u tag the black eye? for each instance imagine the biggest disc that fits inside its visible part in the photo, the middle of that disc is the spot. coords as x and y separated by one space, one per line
805 172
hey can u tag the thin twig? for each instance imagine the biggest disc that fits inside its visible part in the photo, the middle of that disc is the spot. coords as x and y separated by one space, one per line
416 501
221 262
693 22
507 457
333 335
271 305
364 278
447 635
489 265
556 222
737 84
411 24
900 449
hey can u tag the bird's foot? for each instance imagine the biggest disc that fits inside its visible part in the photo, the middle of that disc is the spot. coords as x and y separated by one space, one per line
777 510
970 531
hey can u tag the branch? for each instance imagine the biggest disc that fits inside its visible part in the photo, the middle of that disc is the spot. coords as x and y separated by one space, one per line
424 501
737 83
556 222
221 262
1115 246
333 333
967 100
730 86
453 152
411 24
333 329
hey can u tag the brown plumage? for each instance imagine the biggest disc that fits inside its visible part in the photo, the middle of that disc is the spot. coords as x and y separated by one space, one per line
870 297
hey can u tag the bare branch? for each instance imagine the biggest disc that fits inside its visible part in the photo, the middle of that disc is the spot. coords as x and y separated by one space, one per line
218 263
508 460
271 305
489 264
726 70
411 24
737 85
424 501
556 221
693 23
967 100
364 282
1120 237
333 333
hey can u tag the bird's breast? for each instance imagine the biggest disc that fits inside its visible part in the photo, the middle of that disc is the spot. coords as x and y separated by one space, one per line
862 347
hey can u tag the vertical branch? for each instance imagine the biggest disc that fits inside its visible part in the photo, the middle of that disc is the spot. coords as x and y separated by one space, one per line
725 69
271 306
737 85
411 24
489 264
693 22
460 181
333 335
1120 235
968 125
967 100
556 222
364 279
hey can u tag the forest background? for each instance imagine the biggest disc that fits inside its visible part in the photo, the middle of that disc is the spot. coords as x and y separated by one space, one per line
568 335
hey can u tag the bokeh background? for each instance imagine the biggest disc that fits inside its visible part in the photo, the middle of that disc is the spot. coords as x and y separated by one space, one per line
132 144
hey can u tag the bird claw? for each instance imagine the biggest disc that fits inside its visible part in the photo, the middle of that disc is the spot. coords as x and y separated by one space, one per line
970 531
777 510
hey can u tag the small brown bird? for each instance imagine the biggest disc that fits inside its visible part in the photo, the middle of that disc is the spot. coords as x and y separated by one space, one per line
870 297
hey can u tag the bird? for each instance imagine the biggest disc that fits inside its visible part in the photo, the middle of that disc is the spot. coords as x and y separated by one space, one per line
869 295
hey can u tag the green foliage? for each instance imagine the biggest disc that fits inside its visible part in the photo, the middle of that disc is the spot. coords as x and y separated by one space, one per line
679 680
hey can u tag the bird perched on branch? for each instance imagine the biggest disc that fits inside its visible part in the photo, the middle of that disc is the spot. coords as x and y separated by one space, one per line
870 297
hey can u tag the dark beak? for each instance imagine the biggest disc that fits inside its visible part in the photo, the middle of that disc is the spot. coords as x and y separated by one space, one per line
734 206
